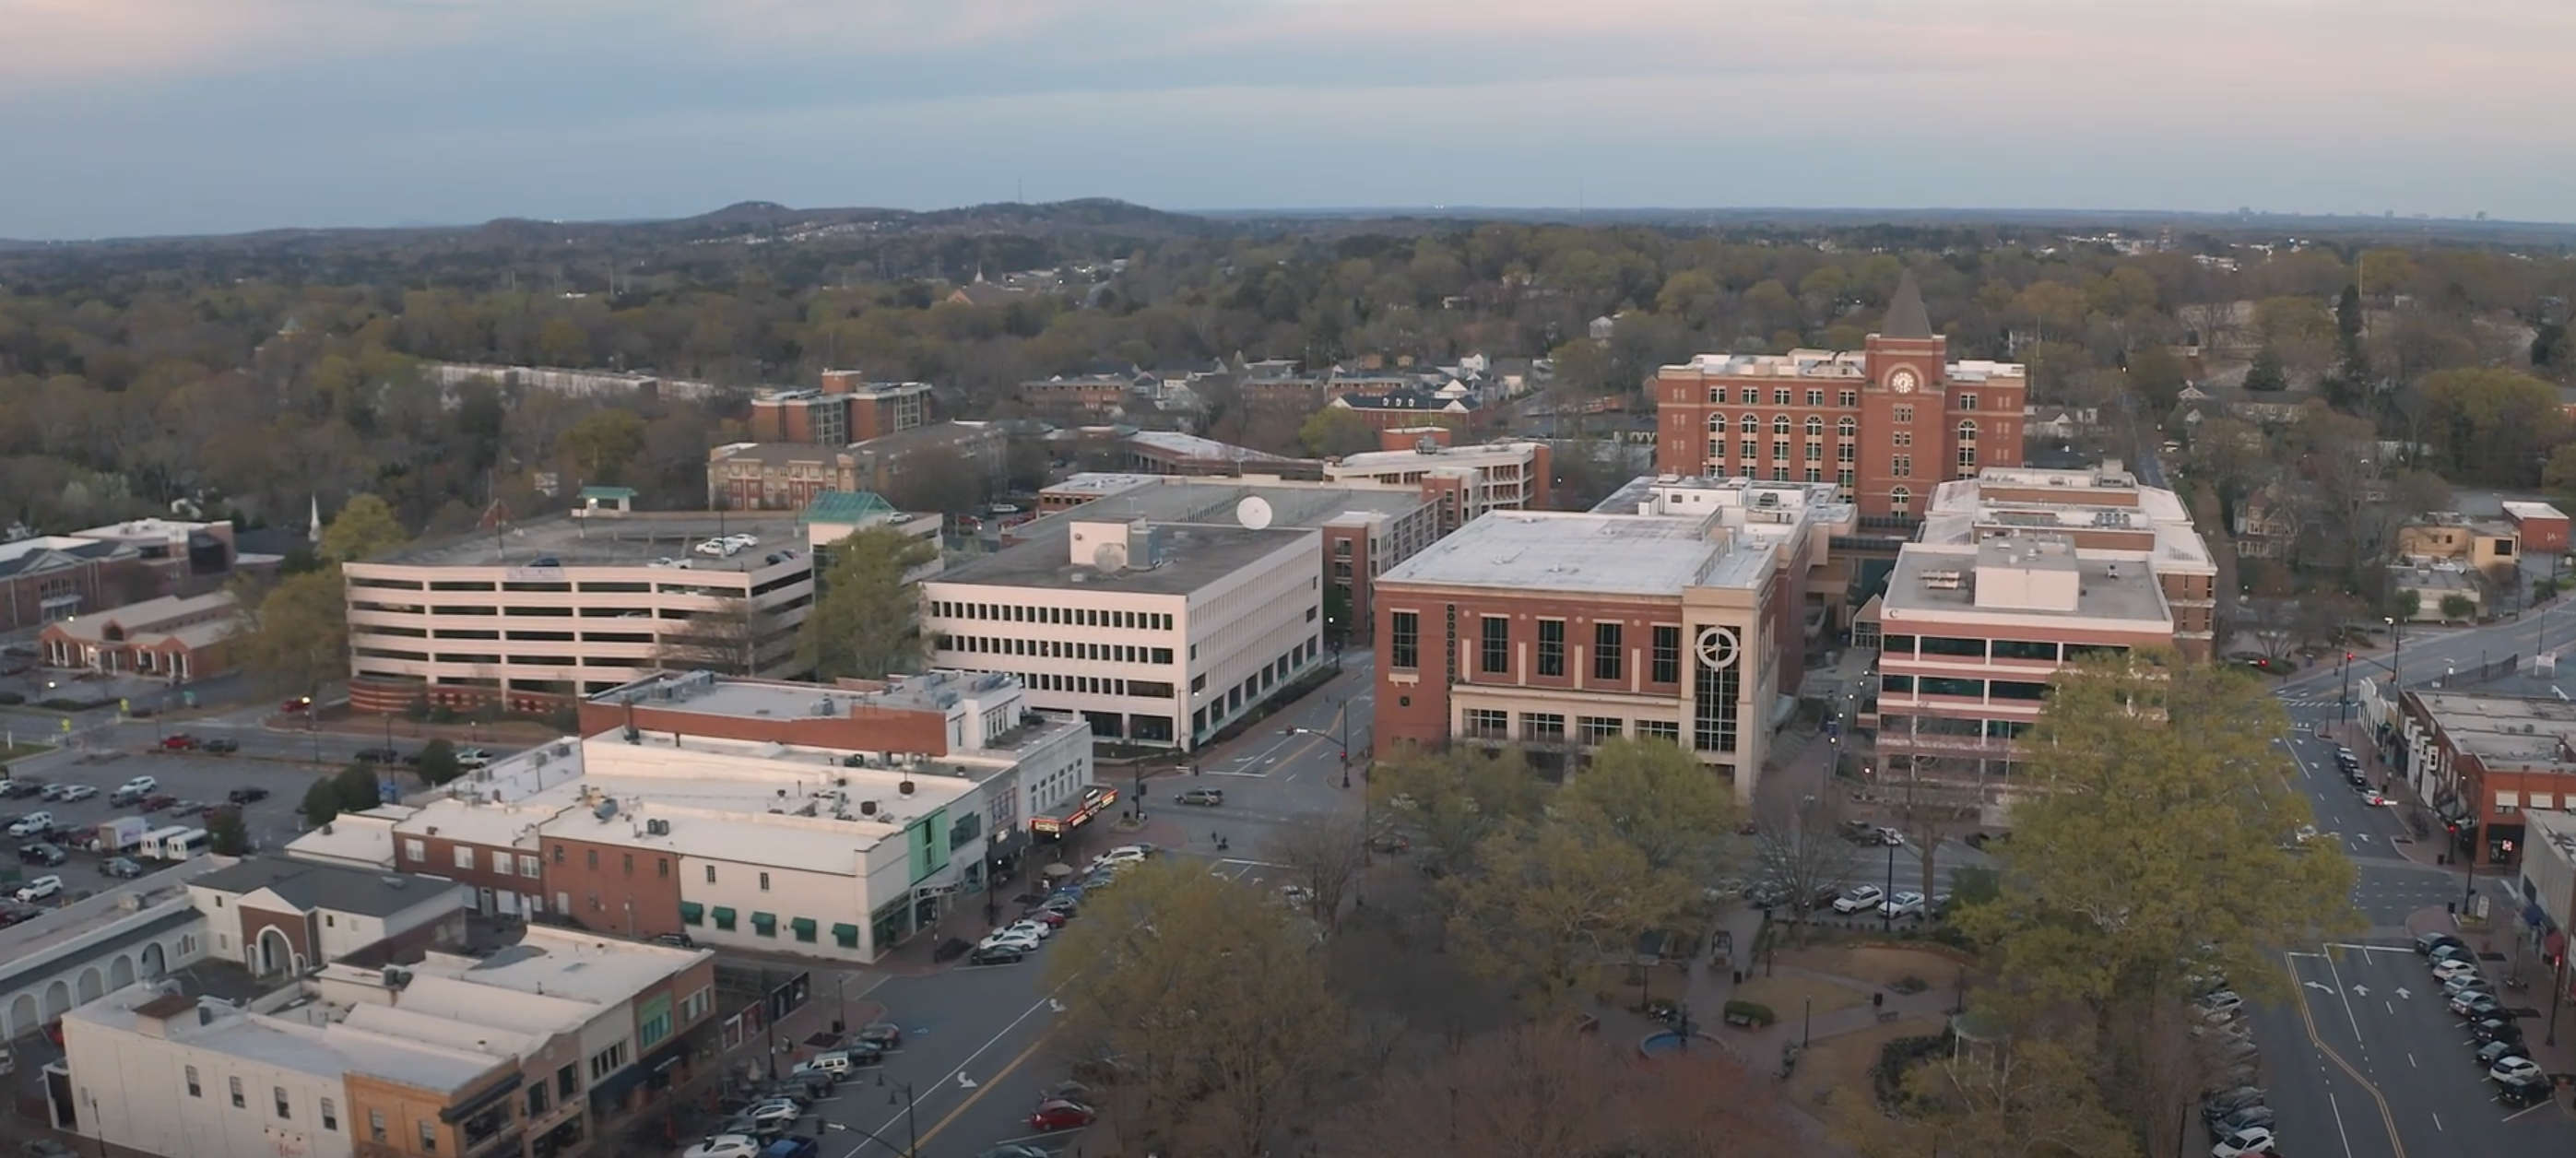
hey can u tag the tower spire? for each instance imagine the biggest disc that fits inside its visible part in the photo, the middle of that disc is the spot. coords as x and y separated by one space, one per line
1905 314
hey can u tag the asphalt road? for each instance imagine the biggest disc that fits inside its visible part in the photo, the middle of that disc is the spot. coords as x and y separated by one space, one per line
976 1054
2366 1060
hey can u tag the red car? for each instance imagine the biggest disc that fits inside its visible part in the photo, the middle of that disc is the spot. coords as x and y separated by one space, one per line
156 803
297 704
1051 918
179 742
1058 1114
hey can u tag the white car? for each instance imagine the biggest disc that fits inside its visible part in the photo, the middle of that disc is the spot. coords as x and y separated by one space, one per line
77 793
2244 1143
779 1113
2450 969
1907 904
472 758
32 823
718 548
2515 1068
725 1146
743 542
2225 1001
40 888
1856 898
1019 939
139 786
1038 929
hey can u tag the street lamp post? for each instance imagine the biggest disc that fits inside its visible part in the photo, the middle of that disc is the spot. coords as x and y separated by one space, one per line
1887 903
911 1130
2557 980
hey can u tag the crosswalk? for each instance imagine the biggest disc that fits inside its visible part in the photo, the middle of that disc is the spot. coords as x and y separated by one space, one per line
2308 702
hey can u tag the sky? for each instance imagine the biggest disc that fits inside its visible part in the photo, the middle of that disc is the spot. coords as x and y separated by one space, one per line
143 117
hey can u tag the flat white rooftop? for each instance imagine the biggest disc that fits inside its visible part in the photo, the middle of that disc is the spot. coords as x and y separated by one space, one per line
302 1039
568 965
1098 483
1474 455
704 693
1939 582
1575 552
1194 446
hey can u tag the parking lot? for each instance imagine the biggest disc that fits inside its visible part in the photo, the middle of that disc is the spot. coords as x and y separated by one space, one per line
188 776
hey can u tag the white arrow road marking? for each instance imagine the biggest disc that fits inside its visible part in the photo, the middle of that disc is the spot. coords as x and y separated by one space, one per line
2319 986
2361 991
965 1083
1054 1006
2402 994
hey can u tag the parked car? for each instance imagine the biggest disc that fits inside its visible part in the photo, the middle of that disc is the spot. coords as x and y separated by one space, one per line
2525 1091
2223 1001
222 745
158 801
1390 843
180 742
1020 939
2219 1105
77 793
43 853
251 795
1208 797
1857 898
995 955
2427 942
725 1146
472 758
1904 904
2253 1140
379 756
40 888
1051 918
2466 1000
122 868
2453 968
32 823
2497 1029
2491 1053
18 786
1059 1114
2513 1067
52 791
2246 1119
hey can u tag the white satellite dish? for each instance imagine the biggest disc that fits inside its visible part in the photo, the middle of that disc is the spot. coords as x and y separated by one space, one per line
1253 512
1110 557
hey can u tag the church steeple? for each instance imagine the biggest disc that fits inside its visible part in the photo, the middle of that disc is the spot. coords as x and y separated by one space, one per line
1906 317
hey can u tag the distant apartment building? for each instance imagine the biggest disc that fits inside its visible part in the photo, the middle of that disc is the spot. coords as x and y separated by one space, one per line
1091 394
1158 634
536 615
2486 546
1670 612
45 578
1885 424
846 409
611 384
773 476
172 638
2014 574
1388 407
1464 482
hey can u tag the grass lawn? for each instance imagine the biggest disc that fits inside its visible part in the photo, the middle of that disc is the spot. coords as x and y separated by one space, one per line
9 752
1787 996
1838 1067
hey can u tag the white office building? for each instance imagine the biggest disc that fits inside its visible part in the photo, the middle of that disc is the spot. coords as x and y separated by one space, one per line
1159 634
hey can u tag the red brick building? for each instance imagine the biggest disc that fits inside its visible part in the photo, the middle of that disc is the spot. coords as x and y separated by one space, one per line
2478 763
847 409
1884 425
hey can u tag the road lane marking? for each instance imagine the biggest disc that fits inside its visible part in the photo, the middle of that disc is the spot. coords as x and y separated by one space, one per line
2530 1108
978 1095
2308 1016
2346 1135
2437 1121
941 1083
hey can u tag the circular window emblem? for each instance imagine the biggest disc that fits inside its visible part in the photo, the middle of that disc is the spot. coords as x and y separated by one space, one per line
1717 648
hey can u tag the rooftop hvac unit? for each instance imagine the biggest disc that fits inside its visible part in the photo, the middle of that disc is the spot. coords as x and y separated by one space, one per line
606 810
563 748
905 786
658 827
867 808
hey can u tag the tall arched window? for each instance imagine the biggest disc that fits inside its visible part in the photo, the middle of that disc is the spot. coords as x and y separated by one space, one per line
1898 500
1752 424
1780 424
1847 428
1967 430
1967 447
1717 424
1815 426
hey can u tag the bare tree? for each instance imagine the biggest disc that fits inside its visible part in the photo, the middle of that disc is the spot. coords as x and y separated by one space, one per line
1324 856
1800 850
732 638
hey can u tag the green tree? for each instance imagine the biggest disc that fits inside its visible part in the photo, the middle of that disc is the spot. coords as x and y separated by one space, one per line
321 802
1457 798
365 528
357 788
2135 835
1334 431
601 444
2029 1097
225 835
2493 425
1658 799
2405 603
2266 376
294 636
2458 608
865 621
1212 996
438 762
2157 377
1547 903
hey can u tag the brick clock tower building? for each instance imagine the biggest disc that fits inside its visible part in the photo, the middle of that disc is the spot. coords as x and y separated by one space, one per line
1885 425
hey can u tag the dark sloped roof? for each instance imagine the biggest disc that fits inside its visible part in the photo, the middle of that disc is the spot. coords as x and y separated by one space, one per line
54 558
309 887
1905 314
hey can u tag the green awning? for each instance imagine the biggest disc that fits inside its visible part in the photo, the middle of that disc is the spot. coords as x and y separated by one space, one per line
847 935
804 927
723 916
764 920
692 913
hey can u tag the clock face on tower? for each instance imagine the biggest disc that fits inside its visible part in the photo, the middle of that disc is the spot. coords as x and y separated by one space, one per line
1901 381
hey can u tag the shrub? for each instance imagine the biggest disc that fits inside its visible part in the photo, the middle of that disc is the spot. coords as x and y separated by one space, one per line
1900 1055
1754 1011
1910 984
12 698
62 705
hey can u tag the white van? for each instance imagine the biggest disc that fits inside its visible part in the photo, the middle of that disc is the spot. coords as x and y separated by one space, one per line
176 843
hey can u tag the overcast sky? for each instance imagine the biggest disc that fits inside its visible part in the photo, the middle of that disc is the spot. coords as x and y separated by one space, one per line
128 117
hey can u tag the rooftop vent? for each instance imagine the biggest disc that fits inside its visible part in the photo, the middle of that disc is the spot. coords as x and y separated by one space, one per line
1944 579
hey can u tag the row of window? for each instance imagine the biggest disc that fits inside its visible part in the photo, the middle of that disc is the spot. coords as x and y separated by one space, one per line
329 1110
1060 616
1052 648
2013 650
1494 647
1970 688
1846 398
1551 727
1100 685
806 930
1845 428
1254 686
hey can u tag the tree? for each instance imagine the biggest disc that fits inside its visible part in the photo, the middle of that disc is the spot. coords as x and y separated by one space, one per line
321 802
357 785
1545 903
2157 377
2458 608
1658 799
601 445
2494 426
1324 856
2134 835
2029 1097
866 620
1212 999
365 528
728 638
2266 376
2559 477
225 834
1456 799
294 636
2405 604
438 762
1335 431
1799 850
